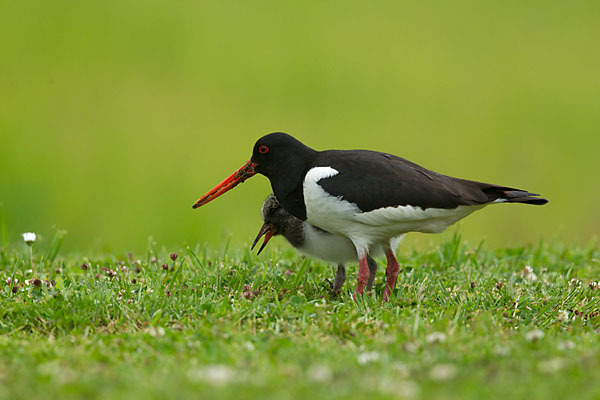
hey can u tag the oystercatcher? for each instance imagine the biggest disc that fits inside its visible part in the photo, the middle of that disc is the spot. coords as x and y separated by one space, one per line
367 196
313 241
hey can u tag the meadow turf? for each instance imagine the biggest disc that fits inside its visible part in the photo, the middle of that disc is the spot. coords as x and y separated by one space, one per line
464 322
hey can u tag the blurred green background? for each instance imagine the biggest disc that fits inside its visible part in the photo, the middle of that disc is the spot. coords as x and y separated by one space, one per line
116 115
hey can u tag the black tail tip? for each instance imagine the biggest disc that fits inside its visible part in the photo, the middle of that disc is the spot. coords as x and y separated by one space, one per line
536 201
540 201
511 195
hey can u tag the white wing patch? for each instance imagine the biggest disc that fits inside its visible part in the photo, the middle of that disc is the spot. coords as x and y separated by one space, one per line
325 211
322 207
315 174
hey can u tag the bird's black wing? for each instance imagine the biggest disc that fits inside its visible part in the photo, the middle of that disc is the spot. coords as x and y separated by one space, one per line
373 180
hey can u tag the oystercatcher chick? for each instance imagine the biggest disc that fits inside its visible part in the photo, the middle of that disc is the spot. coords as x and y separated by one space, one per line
366 196
313 241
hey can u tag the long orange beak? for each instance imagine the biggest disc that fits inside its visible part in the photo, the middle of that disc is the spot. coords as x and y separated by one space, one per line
239 176
268 231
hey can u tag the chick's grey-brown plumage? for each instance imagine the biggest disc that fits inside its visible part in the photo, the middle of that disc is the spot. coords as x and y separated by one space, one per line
313 241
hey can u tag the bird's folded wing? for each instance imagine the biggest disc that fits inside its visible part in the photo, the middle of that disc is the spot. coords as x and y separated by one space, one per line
373 180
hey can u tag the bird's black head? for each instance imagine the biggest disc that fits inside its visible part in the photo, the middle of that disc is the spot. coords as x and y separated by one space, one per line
282 159
280 153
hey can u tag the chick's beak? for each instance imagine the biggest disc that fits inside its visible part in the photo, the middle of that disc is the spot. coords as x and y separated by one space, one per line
246 171
268 231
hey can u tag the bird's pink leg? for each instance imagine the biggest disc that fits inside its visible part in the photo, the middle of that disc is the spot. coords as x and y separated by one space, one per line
363 274
391 273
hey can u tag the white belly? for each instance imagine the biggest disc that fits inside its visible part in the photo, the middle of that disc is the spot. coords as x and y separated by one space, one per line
334 248
326 246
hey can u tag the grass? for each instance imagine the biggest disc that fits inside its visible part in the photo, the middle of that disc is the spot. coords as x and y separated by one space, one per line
464 322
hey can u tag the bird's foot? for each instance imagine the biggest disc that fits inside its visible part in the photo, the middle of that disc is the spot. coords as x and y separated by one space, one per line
386 294
356 295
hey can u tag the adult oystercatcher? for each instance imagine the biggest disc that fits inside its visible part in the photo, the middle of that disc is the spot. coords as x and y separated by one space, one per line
313 241
367 196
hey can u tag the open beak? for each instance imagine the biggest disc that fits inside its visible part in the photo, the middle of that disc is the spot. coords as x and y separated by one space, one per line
268 231
239 176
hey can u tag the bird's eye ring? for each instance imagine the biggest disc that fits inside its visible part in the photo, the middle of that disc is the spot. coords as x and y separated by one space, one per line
262 149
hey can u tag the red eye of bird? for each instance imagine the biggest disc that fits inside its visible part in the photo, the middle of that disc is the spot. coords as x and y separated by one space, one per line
262 149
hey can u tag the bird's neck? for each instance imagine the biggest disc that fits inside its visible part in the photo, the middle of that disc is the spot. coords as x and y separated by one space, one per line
287 181
291 197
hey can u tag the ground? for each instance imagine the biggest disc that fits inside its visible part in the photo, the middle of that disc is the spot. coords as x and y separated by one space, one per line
464 322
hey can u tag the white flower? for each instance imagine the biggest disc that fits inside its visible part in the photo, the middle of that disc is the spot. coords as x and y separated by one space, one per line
501 350
563 316
528 274
575 282
442 372
29 238
319 373
216 375
401 369
399 388
551 366
410 347
367 357
534 335
566 345
156 331
436 337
